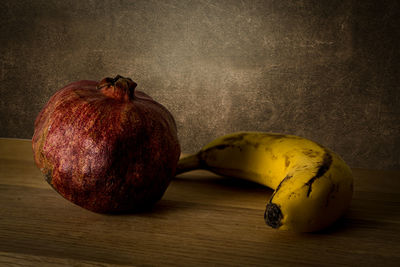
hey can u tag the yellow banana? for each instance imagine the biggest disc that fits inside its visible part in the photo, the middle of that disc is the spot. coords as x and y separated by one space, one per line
313 185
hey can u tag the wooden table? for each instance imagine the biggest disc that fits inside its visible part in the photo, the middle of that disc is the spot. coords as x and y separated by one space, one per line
203 219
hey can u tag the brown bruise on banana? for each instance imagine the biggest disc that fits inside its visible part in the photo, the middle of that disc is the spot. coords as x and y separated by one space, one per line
323 168
221 147
287 161
233 139
311 153
273 213
229 142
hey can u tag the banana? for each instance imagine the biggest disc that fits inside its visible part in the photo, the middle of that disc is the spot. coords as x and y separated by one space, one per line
312 185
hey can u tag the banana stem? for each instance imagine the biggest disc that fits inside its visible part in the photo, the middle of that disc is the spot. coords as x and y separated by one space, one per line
188 163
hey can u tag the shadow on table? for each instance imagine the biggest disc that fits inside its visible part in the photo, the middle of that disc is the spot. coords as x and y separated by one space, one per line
205 177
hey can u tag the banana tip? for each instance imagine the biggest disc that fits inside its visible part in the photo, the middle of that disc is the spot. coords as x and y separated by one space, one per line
273 215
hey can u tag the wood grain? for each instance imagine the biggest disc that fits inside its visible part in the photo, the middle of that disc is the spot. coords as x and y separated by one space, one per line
203 219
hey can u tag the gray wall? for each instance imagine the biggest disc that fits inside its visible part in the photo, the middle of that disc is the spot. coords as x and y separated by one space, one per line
325 70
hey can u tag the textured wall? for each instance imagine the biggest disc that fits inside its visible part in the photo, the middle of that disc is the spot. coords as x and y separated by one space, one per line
325 70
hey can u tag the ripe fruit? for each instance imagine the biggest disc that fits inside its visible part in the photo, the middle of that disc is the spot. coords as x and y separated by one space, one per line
313 185
106 146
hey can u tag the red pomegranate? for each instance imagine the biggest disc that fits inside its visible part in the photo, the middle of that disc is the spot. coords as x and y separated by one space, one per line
106 146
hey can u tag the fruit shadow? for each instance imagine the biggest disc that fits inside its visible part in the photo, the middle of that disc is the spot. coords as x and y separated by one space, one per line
205 187
225 182
187 191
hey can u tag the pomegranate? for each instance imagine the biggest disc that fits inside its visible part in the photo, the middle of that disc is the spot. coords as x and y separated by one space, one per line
106 146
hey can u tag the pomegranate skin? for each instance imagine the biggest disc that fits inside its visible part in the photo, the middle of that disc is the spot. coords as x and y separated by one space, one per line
106 146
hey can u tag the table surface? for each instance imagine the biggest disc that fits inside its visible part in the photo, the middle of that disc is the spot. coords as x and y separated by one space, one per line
203 219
